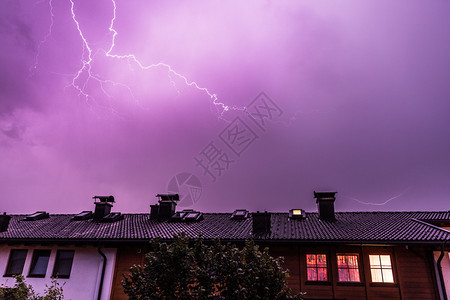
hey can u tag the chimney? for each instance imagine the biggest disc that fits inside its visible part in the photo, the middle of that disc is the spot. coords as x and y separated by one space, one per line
166 207
325 205
4 222
261 222
154 211
102 206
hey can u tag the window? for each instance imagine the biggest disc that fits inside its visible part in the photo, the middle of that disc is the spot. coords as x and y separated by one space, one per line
381 268
316 267
348 270
63 263
39 263
239 214
16 262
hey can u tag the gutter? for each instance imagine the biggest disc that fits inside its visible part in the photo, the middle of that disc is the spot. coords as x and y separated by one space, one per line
105 260
268 241
441 276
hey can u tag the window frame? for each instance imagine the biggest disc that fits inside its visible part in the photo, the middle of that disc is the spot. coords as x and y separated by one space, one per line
381 268
8 266
57 264
358 261
317 281
37 253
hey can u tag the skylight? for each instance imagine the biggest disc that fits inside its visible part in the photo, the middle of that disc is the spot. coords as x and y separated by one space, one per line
39 215
84 215
297 214
192 216
112 217
239 214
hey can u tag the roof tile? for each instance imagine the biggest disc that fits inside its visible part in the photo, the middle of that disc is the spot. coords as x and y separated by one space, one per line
348 227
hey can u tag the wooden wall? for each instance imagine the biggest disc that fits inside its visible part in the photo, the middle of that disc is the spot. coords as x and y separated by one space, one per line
126 257
412 269
416 273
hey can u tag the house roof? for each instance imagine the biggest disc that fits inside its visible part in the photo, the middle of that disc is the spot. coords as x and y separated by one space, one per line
349 227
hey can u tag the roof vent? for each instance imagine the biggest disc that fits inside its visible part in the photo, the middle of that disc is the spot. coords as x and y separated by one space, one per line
239 214
39 215
4 222
84 215
109 199
168 197
325 205
261 222
112 217
297 214
166 207
102 206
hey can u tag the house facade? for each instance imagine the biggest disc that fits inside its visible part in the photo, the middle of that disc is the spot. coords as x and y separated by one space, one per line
330 255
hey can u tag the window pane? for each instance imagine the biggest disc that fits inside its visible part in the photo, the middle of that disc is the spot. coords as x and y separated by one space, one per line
322 274
63 263
321 260
376 275
387 275
16 262
354 274
310 259
312 273
39 263
342 261
343 274
374 260
352 261
385 261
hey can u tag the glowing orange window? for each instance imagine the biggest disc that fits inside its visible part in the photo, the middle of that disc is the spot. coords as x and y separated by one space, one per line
381 268
348 269
316 267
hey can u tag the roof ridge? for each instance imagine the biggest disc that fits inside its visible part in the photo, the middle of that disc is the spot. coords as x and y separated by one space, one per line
431 225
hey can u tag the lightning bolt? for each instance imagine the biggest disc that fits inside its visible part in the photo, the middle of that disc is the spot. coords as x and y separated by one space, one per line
381 203
86 63
47 35
84 75
223 107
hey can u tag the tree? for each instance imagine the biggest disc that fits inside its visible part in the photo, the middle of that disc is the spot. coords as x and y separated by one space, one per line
187 269
23 291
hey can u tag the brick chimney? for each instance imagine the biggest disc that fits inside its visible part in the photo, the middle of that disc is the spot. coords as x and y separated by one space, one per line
261 222
4 222
102 206
325 205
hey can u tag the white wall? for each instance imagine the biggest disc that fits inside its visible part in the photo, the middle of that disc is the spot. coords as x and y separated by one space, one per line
84 277
445 263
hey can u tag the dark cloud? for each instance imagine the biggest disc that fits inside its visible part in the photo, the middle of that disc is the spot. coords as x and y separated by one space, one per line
363 87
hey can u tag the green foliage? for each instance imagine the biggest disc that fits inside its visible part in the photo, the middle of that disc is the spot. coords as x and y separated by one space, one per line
23 291
187 269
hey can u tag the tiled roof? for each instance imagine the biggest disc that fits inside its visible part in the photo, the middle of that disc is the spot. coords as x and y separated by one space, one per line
377 227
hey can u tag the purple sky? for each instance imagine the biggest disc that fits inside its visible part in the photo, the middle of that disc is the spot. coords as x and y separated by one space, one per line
362 87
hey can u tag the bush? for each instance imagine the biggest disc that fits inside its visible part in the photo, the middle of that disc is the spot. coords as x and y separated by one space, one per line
184 270
22 291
